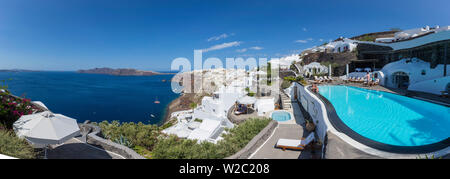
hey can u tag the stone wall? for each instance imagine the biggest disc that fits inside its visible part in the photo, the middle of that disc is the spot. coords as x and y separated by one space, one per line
91 135
256 142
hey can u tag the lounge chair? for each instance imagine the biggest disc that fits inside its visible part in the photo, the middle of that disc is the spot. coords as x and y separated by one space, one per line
322 80
318 80
295 144
345 79
377 82
352 79
360 80
330 79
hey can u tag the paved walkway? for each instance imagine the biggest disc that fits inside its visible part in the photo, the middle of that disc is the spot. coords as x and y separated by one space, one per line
75 149
338 149
286 131
292 129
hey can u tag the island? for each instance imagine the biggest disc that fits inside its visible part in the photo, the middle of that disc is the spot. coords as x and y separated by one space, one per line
121 72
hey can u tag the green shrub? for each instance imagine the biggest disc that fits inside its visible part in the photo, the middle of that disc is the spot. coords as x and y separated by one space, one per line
13 146
148 141
285 84
193 105
143 151
176 148
136 134
198 120
238 137
368 38
169 123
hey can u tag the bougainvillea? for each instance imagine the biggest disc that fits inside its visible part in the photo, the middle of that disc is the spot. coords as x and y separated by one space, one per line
12 108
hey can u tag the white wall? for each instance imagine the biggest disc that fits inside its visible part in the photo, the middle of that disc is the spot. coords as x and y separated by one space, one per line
434 86
416 79
312 105
263 106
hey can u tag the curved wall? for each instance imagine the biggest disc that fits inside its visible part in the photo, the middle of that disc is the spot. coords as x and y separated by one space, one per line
316 109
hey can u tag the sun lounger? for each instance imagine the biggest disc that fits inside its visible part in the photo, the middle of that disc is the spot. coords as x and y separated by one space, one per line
295 144
317 80
321 79
352 79
360 80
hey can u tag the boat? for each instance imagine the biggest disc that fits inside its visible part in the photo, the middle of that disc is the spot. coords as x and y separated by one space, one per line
151 115
156 101
163 80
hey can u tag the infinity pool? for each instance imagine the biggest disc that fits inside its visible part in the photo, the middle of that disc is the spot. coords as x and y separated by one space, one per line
389 118
281 116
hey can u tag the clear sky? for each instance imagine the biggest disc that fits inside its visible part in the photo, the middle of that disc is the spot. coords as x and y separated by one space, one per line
148 35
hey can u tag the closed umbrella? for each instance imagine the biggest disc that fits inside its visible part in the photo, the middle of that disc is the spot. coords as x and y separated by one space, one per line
45 128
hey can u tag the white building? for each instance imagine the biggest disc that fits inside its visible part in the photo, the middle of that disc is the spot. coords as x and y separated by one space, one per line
338 46
285 62
314 68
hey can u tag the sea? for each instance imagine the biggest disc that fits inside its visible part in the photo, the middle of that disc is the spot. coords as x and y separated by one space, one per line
96 97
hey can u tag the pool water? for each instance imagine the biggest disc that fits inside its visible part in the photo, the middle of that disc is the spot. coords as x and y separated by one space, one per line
389 118
281 116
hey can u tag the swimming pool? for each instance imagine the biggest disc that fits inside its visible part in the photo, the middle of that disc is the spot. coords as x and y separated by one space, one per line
389 118
281 116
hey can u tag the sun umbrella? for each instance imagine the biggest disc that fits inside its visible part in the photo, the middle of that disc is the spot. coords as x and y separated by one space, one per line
45 128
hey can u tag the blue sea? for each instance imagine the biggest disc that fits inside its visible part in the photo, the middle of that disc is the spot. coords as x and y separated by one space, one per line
96 97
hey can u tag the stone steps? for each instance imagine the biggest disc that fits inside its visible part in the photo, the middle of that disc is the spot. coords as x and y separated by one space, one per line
286 101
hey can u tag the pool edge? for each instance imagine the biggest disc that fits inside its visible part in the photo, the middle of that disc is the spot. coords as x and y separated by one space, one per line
340 126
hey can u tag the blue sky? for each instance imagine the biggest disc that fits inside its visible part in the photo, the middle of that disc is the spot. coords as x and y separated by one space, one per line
148 35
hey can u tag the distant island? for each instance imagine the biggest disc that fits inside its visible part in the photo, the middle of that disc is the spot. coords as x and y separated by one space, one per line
121 72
